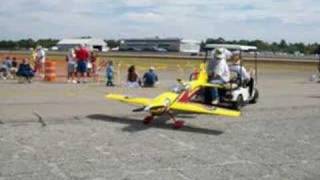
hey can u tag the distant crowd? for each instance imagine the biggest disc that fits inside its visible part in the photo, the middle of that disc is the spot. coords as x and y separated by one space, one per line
81 65
10 68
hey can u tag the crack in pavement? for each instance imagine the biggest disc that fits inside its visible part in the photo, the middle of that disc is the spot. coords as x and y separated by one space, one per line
40 119
42 122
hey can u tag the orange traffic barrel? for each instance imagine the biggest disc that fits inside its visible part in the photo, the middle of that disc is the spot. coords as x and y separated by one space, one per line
50 71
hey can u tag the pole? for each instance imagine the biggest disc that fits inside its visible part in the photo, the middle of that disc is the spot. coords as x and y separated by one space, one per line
241 67
256 66
205 56
319 63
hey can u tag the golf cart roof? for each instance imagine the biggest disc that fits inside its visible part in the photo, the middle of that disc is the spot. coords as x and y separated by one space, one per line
231 47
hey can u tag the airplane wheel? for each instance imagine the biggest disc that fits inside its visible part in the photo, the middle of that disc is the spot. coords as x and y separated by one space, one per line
147 120
178 124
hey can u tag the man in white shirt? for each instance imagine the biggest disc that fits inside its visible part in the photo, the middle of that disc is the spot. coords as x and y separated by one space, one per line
217 68
218 71
40 61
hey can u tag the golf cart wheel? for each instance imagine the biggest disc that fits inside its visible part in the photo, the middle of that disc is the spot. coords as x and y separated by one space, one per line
239 103
255 98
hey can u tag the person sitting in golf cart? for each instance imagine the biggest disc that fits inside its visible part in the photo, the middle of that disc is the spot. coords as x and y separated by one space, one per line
218 72
242 75
238 68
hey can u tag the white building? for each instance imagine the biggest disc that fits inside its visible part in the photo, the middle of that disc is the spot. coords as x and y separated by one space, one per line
190 46
93 44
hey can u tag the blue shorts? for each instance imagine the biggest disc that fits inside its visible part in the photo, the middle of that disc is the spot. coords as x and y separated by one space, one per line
82 66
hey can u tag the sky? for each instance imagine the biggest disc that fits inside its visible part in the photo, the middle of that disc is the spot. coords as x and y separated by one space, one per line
268 20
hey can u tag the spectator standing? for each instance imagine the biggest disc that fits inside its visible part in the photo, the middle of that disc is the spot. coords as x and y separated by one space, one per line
40 61
14 67
82 56
71 67
109 74
92 67
33 57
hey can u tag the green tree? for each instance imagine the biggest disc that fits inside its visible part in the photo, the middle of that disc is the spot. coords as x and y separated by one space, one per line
113 43
283 45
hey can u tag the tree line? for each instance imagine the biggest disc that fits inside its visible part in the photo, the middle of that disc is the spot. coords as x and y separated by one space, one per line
282 46
27 44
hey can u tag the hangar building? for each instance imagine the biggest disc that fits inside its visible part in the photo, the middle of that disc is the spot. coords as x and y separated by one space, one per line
157 44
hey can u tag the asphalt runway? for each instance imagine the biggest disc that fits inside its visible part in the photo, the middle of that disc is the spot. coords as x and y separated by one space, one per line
68 131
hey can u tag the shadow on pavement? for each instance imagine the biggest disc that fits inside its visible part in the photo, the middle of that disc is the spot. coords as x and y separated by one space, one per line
315 97
137 125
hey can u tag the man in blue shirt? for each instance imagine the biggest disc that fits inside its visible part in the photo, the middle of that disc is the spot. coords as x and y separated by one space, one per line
150 78
25 70
109 74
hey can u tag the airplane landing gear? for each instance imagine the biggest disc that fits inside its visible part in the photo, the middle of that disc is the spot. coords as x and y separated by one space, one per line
177 124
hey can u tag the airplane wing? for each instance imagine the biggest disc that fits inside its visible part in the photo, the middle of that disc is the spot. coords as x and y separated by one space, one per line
202 109
129 100
158 102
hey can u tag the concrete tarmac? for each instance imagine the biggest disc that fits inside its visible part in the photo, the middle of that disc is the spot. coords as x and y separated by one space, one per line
69 131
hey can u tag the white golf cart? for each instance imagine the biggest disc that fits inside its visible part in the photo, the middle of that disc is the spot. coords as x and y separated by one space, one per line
316 77
238 92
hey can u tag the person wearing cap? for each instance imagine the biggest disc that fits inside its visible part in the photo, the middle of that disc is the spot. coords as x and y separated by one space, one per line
40 61
150 78
218 72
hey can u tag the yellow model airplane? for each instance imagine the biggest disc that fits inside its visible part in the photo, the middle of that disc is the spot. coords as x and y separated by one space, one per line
179 100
